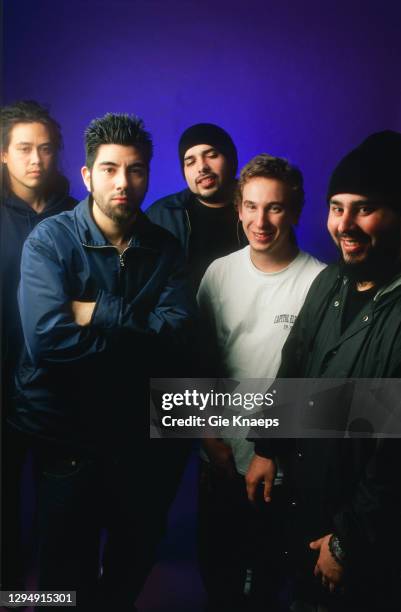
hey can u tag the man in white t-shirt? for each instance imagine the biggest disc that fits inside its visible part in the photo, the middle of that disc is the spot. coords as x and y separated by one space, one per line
249 301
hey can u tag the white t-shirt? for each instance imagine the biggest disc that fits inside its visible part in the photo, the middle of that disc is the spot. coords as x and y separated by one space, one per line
252 313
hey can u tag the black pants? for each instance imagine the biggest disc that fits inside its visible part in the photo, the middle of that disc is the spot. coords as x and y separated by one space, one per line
15 554
128 497
239 541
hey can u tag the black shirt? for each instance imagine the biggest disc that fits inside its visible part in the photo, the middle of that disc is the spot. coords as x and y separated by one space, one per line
214 233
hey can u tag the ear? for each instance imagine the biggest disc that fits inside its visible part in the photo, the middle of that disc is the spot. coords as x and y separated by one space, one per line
86 177
4 157
239 208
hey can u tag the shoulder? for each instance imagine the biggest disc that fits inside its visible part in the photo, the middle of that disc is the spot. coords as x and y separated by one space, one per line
223 268
56 232
156 236
179 200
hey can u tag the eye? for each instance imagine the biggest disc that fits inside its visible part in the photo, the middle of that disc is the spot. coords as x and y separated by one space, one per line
108 170
24 149
212 154
188 162
336 210
137 171
366 210
276 208
47 149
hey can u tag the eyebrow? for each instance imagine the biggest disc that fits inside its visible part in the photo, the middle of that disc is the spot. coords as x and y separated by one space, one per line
30 143
267 203
205 152
133 165
358 202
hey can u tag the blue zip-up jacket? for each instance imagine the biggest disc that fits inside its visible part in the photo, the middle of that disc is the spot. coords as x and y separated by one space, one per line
88 385
17 220
171 212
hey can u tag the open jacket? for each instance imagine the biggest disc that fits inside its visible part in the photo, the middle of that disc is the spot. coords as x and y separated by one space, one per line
88 386
171 212
348 486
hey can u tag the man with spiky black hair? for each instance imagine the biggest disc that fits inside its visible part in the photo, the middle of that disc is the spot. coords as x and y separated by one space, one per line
32 189
104 305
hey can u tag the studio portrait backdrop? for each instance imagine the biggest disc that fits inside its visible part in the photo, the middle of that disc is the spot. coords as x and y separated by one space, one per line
304 80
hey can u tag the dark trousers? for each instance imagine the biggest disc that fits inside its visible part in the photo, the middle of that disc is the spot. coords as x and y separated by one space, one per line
15 554
239 546
78 497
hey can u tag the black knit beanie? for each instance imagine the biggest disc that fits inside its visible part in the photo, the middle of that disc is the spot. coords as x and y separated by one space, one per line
213 135
373 169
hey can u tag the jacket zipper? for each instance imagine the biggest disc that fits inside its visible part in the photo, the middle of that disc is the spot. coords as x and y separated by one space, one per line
189 231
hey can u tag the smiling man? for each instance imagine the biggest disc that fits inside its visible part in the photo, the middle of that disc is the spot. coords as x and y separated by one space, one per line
104 305
32 189
341 529
248 301
203 216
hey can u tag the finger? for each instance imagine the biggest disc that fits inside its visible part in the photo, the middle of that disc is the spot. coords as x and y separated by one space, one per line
332 587
316 571
267 490
251 490
316 544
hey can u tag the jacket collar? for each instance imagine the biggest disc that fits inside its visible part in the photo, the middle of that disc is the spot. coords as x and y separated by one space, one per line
181 201
90 234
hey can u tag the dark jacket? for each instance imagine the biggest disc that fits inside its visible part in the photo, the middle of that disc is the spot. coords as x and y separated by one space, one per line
349 486
171 212
88 385
17 220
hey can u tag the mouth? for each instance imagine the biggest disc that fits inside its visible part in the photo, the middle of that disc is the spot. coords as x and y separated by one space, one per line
121 200
352 245
35 173
263 237
207 181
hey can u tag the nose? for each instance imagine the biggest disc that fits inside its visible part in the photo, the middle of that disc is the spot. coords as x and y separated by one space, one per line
35 156
202 165
347 222
121 180
262 219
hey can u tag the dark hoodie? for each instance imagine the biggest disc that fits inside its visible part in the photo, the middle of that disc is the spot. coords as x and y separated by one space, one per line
17 220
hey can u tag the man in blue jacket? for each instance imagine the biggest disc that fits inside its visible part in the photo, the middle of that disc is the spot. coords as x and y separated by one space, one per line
32 190
104 305
203 217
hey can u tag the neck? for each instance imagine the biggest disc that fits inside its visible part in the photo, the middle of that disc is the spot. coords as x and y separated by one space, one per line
365 285
118 234
274 262
34 199
223 198
214 204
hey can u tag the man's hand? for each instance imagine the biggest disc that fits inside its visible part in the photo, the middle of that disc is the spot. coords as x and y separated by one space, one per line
82 312
221 457
260 470
326 566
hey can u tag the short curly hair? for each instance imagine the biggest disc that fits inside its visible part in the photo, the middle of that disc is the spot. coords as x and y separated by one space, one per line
267 166
121 129
28 111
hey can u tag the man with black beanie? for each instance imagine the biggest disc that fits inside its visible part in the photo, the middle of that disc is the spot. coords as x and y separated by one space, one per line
202 216
341 534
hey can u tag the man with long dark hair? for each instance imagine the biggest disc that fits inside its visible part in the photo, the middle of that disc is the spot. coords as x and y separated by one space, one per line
32 190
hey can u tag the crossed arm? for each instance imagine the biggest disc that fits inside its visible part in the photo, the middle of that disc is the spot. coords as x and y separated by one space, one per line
59 329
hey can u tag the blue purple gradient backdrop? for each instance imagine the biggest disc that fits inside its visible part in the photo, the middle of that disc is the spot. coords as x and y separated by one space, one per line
306 80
